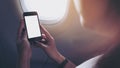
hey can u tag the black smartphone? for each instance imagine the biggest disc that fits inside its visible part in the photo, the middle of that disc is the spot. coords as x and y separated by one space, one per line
32 25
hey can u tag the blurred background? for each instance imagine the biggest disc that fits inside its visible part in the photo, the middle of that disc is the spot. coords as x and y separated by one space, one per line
74 42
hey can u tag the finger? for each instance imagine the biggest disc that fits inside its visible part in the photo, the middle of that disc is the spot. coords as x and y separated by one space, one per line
20 29
39 44
48 35
44 36
24 33
35 46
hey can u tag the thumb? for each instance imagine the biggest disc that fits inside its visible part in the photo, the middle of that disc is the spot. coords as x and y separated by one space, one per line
42 45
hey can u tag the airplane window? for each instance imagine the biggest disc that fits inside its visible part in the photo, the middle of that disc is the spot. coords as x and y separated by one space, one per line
77 5
48 10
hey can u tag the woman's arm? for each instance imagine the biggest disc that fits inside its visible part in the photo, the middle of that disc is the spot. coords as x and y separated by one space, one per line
23 61
23 48
51 50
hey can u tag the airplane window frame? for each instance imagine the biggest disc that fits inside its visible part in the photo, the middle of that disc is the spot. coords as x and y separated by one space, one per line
49 22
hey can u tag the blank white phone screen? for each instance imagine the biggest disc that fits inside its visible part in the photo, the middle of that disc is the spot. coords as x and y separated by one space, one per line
32 25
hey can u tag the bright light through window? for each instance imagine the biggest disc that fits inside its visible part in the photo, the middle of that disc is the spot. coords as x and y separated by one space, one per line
77 5
47 9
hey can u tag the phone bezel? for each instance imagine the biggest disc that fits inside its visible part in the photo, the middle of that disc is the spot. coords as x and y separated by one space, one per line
30 14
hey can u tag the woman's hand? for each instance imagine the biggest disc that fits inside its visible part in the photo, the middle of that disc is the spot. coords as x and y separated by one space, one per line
23 48
51 50
50 46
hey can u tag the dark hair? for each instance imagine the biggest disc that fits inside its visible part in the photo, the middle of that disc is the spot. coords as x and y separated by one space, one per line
111 59
115 5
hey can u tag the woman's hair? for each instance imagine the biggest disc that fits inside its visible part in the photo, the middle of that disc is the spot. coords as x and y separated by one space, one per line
114 5
111 59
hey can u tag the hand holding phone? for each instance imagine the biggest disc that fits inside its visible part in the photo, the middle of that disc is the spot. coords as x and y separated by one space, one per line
32 25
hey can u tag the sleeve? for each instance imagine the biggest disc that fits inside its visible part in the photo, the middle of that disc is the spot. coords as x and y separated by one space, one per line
89 63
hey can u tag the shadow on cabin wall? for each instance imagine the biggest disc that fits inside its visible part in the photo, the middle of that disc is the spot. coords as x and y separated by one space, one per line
74 42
